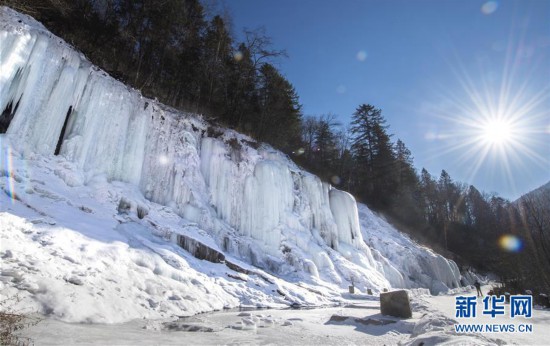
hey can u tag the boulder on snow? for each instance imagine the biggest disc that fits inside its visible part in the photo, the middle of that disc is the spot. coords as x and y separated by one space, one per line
395 304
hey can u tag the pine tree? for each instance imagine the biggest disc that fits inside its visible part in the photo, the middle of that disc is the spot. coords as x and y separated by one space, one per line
242 104
217 58
280 112
363 146
372 150
406 175
325 142
406 205
429 195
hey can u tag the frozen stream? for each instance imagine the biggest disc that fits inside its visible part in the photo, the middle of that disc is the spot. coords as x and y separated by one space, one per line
289 326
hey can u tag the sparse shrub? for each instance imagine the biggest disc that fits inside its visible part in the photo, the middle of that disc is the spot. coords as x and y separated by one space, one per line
124 205
252 144
142 211
234 144
85 209
214 132
236 149
11 322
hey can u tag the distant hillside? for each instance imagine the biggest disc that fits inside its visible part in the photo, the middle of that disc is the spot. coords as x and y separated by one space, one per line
537 193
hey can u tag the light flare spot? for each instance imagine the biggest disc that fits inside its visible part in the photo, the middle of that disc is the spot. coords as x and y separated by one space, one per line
510 243
341 89
430 136
361 55
238 56
163 160
299 151
433 136
336 180
489 7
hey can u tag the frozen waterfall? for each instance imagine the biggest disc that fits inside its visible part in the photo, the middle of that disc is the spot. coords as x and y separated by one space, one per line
54 101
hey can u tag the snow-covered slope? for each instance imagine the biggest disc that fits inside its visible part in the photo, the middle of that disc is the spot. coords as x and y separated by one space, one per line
105 188
406 263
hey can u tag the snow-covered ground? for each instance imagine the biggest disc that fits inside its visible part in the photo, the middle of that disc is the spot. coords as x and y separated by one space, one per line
357 322
147 214
69 253
278 327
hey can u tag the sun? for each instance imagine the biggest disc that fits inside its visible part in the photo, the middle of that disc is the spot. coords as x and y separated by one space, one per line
497 132
492 128
491 124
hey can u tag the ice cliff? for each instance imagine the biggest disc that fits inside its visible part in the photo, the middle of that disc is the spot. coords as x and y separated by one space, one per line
245 199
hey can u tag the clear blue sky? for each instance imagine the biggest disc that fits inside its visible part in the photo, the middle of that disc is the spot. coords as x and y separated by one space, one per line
465 84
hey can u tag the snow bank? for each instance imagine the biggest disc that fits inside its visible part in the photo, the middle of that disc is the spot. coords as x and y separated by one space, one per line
88 133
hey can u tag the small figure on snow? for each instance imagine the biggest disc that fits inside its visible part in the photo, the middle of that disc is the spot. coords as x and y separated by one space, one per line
478 288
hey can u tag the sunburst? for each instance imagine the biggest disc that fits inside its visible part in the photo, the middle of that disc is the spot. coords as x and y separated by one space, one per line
497 132
496 125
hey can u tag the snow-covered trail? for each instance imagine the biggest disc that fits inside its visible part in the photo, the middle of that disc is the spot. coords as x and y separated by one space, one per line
279 327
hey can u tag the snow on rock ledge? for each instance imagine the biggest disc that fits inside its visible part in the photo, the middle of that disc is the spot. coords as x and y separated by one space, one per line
255 203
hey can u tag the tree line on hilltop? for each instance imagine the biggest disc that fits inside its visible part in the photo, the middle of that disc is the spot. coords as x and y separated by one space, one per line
185 55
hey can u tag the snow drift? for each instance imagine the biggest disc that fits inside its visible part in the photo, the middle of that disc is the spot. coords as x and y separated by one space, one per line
87 134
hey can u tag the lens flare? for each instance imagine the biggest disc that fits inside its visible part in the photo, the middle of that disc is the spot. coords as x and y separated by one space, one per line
489 7
238 56
163 160
510 243
299 151
341 89
361 55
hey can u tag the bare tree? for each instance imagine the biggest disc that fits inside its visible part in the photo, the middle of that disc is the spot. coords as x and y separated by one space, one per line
534 209
309 129
260 47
